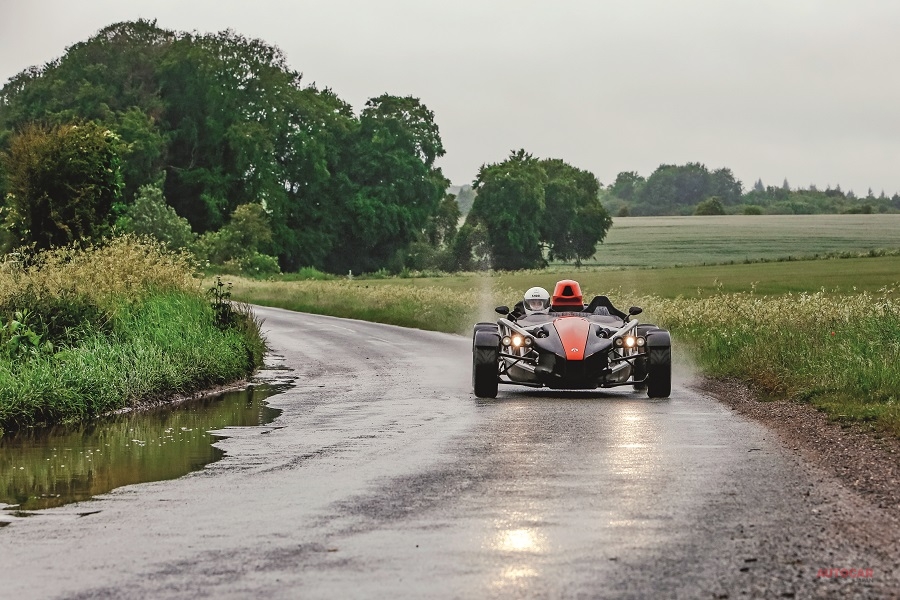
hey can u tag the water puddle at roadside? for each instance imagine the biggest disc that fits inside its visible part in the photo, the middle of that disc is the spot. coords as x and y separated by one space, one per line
55 466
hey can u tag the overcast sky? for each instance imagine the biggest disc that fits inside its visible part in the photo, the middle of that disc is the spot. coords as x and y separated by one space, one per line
800 89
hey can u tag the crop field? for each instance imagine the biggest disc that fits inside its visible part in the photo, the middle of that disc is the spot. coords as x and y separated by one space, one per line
833 275
671 241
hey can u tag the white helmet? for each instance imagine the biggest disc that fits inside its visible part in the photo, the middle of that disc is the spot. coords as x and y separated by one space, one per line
537 301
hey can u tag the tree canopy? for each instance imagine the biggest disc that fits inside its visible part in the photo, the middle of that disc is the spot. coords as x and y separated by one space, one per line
225 123
534 210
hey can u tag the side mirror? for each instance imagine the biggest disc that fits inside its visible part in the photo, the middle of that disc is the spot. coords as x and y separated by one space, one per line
635 310
503 310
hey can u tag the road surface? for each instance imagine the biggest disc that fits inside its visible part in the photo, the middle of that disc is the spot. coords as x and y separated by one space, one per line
384 477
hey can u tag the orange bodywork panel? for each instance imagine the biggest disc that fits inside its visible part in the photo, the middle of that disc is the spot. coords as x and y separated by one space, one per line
573 332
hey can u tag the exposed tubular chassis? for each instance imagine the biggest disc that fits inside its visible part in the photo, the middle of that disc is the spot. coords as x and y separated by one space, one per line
531 357
588 352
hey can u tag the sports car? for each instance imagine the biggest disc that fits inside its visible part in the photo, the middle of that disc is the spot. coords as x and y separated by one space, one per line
598 346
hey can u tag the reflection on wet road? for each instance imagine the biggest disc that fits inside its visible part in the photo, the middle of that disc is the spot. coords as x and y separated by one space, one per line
55 466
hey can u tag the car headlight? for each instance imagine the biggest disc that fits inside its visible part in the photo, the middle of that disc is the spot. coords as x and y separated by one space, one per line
641 342
506 341
629 341
517 341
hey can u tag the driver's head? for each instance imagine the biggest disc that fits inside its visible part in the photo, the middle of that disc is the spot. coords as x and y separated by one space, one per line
536 301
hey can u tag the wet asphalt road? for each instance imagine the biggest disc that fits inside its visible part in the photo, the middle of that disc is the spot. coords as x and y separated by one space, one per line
385 477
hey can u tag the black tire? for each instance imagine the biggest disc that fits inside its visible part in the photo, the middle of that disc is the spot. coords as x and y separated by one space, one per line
485 372
485 326
659 371
639 372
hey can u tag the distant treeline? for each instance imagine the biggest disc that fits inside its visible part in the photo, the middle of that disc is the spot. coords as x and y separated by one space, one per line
692 189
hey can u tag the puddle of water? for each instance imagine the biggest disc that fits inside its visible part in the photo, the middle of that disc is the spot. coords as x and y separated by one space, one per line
55 466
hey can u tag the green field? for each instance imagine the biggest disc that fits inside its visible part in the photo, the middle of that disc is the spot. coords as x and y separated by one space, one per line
835 275
671 241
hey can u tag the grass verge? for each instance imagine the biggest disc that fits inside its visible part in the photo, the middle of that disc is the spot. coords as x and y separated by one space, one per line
94 330
839 353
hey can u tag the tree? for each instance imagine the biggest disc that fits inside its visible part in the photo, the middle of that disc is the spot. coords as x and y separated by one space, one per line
313 159
510 206
227 102
574 220
62 184
442 225
675 189
627 184
724 186
527 206
110 79
228 124
392 188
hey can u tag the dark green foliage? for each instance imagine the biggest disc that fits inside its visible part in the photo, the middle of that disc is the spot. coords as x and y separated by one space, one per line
62 319
574 221
673 190
62 183
442 226
228 101
150 215
627 184
223 121
527 206
509 205
710 206
395 190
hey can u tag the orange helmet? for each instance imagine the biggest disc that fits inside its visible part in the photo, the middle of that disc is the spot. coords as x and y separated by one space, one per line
567 294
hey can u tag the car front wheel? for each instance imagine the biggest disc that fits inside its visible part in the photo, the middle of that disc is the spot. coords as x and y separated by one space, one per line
659 372
485 378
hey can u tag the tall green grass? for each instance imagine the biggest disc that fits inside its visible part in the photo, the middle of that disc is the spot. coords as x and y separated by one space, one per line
433 307
842 354
119 324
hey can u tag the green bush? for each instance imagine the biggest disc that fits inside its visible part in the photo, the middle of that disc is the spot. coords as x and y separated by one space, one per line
62 183
151 216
